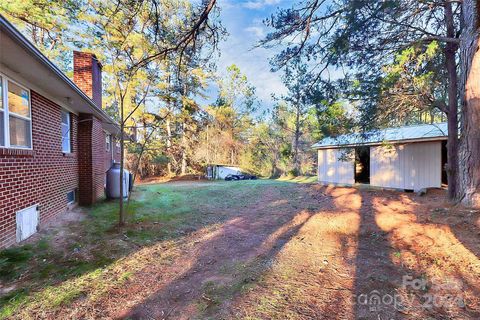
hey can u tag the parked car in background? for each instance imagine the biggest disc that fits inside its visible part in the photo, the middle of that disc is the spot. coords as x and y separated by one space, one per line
247 176
242 176
231 177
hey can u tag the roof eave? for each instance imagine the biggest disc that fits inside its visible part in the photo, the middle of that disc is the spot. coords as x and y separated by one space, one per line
6 26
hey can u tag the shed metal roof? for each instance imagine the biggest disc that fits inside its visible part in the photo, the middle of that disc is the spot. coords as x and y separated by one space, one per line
422 132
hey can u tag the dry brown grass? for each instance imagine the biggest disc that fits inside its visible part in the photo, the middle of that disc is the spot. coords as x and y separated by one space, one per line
287 251
365 241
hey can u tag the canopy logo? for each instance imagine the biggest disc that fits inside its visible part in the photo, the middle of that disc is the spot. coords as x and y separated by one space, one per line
444 294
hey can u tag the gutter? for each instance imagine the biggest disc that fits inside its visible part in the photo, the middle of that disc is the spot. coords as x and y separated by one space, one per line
13 32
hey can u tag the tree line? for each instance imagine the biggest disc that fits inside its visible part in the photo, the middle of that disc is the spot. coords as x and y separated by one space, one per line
235 129
396 62
347 65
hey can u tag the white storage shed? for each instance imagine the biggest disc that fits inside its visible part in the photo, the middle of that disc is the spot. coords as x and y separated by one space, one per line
220 171
409 158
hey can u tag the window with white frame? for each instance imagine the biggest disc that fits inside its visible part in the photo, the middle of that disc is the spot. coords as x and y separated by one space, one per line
15 115
118 146
107 142
66 132
2 114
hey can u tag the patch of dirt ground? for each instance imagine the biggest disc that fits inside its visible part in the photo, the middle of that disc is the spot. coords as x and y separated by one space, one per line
302 252
60 228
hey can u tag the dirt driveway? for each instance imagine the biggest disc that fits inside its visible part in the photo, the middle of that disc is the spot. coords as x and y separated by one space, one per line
269 250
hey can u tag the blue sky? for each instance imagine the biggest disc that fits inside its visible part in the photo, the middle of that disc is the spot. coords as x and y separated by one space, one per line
243 21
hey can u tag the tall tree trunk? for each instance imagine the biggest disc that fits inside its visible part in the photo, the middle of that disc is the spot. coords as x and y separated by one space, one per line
169 146
184 149
469 180
121 220
184 131
274 172
296 162
208 145
452 116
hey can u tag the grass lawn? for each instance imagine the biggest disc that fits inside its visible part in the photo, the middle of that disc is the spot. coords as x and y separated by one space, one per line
260 249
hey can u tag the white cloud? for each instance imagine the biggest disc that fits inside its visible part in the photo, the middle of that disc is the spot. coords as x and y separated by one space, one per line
259 32
259 4
227 4
249 4
254 64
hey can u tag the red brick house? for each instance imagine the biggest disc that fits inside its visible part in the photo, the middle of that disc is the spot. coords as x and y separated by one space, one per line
55 140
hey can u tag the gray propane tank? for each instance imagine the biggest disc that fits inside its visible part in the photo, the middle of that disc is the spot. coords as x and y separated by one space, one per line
112 189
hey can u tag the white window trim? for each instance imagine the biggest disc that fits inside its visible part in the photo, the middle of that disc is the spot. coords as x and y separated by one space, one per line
6 114
69 130
64 102
113 147
108 146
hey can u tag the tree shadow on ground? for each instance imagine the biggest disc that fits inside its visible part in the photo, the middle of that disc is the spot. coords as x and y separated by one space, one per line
338 244
101 245
434 273
225 265
377 278
464 223
391 253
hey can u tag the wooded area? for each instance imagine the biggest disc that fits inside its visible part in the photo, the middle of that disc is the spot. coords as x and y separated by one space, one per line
326 120
347 65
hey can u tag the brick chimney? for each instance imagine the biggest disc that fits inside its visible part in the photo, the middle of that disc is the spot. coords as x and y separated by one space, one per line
87 75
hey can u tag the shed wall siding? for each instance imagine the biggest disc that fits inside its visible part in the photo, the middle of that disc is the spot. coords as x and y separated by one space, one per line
333 168
409 166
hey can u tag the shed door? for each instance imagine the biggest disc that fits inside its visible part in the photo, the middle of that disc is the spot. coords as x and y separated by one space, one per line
27 223
336 166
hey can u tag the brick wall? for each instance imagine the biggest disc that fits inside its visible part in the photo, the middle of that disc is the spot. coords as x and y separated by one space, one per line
87 75
91 159
98 150
41 176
